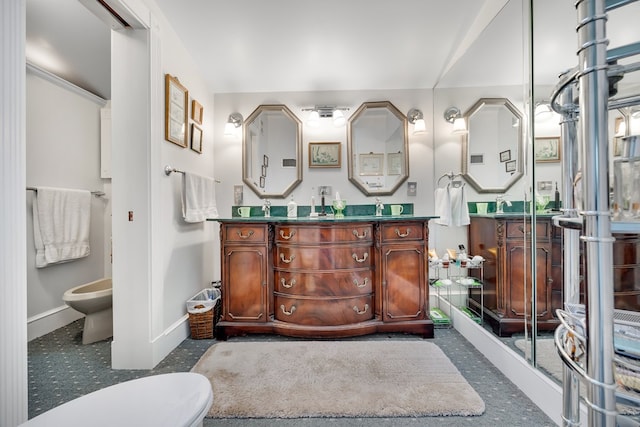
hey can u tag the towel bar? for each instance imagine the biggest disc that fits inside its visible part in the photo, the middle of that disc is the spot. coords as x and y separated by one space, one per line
96 193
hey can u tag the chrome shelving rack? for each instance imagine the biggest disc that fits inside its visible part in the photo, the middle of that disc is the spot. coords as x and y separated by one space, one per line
585 338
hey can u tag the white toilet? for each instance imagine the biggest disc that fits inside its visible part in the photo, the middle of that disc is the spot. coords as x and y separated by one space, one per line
173 400
94 299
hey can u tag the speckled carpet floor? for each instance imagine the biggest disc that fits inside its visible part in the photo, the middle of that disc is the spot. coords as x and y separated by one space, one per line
61 369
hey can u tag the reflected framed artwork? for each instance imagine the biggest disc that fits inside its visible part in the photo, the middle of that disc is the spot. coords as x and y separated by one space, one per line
505 155
394 163
175 111
547 149
325 155
510 166
371 164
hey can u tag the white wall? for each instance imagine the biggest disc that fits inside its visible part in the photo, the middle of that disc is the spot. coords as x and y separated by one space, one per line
159 260
228 150
63 150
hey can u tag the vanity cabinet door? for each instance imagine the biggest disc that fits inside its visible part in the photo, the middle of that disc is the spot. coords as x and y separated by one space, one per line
403 271
517 254
245 274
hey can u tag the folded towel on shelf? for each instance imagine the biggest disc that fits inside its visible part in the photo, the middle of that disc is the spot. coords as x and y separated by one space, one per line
459 207
61 223
198 198
443 206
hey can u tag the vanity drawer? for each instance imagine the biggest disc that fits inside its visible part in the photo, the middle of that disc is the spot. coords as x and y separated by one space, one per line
245 233
402 232
322 258
517 230
323 311
315 234
351 283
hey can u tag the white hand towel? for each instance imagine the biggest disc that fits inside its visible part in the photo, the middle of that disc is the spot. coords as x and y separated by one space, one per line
61 223
198 198
443 206
459 207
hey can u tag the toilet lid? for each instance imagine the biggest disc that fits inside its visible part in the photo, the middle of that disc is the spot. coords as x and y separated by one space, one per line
176 399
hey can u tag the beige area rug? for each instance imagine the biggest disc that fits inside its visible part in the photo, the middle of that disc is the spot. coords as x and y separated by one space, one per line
295 379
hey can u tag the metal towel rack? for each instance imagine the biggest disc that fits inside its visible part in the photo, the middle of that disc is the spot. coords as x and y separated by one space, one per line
449 175
168 170
96 193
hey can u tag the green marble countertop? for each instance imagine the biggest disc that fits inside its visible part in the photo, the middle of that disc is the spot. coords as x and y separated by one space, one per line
307 219
545 214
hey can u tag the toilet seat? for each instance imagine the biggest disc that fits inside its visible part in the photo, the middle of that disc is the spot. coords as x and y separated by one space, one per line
176 399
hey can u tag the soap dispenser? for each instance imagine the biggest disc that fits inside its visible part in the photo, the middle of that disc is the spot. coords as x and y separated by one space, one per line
292 209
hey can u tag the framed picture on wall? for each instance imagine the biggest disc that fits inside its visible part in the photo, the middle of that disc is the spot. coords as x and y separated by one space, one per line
196 138
547 149
394 163
325 155
175 111
196 112
510 166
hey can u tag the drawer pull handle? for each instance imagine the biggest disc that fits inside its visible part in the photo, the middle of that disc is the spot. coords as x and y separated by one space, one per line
291 234
403 235
521 229
366 308
283 282
360 236
288 313
287 261
358 285
363 259
244 236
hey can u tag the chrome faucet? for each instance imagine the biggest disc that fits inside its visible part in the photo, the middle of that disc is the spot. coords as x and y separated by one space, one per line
266 207
500 202
379 207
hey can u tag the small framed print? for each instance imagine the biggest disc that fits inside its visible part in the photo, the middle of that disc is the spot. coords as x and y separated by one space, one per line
264 170
505 155
510 166
547 149
371 164
325 155
394 163
262 181
196 111
175 111
265 160
196 138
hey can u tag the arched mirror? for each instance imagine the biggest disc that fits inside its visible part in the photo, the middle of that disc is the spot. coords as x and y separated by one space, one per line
377 147
492 148
271 151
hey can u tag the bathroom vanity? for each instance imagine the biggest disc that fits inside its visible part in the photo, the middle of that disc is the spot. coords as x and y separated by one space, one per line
504 240
324 278
505 243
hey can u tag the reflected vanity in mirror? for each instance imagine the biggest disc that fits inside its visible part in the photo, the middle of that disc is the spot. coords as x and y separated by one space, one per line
492 148
272 151
377 147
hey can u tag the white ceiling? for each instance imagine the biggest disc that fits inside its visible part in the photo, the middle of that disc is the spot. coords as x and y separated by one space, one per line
302 45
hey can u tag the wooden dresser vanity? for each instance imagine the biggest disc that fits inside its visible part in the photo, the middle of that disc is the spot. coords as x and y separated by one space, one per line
505 243
324 278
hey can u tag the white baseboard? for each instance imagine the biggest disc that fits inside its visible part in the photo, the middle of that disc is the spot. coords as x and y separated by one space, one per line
50 320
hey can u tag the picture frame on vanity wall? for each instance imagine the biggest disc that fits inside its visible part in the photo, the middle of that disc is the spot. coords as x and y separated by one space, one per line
547 150
196 112
325 155
196 138
510 166
176 111
394 163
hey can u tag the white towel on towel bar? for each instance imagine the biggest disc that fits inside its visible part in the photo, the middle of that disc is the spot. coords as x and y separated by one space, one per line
459 207
443 206
198 198
61 223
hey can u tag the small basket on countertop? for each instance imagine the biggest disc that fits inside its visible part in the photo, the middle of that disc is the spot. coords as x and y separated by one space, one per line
204 312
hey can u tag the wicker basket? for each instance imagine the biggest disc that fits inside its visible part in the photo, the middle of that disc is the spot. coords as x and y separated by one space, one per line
201 324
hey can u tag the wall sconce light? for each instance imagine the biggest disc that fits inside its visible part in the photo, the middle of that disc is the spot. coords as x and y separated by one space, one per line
542 111
416 118
453 115
234 122
325 111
